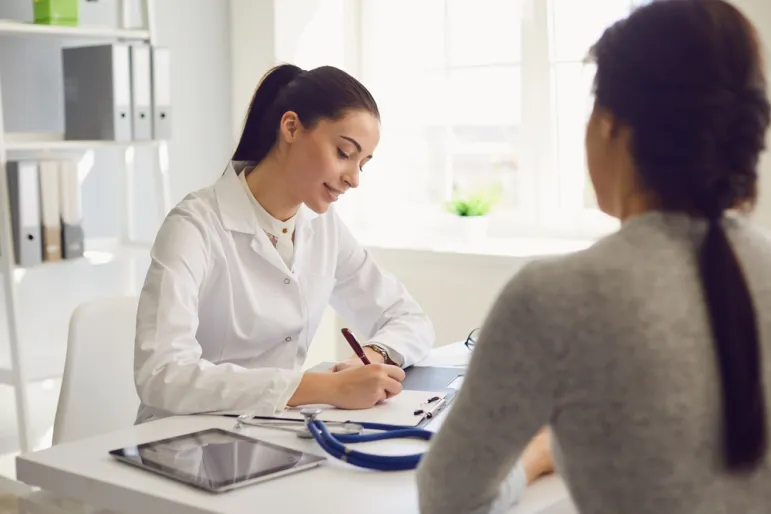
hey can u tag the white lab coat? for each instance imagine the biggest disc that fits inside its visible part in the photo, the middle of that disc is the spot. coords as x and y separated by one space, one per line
224 326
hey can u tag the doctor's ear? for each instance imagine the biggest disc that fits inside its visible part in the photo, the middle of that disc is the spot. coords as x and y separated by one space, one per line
290 126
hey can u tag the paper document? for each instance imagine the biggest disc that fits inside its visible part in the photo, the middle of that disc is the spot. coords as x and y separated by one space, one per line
399 410
456 383
450 355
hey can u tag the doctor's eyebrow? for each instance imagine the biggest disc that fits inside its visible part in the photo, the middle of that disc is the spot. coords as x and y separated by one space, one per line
356 144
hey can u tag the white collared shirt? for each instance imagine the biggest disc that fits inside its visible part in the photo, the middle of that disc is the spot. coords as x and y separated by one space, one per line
280 233
224 326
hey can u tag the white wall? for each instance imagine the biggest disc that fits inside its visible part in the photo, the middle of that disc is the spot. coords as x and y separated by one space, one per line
252 49
455 290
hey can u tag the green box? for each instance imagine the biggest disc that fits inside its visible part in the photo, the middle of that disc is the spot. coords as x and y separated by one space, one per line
56 12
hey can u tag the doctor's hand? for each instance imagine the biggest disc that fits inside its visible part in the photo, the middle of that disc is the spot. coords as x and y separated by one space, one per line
354 361
362 387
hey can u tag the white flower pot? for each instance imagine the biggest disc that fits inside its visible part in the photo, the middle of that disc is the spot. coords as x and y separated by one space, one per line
473 229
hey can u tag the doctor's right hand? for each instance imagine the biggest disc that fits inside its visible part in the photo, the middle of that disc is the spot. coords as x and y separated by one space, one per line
363 387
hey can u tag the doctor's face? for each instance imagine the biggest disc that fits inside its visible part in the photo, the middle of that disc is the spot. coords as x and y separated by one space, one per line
326 160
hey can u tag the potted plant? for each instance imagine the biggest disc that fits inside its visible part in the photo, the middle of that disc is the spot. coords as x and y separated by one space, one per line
472 209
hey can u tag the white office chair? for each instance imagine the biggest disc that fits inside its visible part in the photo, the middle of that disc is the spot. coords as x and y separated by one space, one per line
98 393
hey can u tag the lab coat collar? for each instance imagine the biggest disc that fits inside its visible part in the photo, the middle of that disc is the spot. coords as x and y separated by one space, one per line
236 210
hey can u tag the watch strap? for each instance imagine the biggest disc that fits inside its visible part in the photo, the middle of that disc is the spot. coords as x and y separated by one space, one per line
382 351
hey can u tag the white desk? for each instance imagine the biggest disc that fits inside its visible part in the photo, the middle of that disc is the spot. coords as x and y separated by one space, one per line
84 471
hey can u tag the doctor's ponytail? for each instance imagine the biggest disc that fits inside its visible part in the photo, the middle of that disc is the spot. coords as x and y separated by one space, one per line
254 144
322 93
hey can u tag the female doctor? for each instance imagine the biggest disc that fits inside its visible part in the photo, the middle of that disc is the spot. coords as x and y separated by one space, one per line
242 271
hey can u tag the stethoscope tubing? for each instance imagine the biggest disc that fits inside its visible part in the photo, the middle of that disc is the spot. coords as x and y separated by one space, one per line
334 445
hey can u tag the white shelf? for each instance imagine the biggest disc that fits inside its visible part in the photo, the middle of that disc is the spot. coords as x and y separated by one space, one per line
26 142
21 28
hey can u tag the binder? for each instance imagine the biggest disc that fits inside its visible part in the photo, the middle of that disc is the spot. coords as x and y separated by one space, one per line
161 92
50 212
97 92
24 195
141 93
72 217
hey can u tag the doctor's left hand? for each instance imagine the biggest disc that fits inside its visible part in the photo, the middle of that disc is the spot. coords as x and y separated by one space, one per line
354 361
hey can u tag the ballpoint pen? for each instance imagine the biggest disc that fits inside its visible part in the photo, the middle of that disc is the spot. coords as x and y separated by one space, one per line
357 349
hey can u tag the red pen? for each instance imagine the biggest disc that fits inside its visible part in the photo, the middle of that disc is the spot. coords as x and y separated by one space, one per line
357 349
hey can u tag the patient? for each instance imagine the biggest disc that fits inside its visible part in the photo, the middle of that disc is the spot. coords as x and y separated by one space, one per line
649 354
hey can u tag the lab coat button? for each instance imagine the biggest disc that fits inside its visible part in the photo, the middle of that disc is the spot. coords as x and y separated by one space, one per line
288 339
286 281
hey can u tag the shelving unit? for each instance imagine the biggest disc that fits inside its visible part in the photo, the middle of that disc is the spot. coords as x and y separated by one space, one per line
20 27
19 373
44 142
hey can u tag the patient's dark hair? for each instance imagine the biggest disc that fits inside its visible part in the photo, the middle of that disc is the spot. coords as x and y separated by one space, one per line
686 77
321 93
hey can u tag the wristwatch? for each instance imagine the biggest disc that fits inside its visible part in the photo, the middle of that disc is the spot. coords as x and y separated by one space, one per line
382 351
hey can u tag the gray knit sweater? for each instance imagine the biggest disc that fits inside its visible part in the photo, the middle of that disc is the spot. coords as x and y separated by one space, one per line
612 348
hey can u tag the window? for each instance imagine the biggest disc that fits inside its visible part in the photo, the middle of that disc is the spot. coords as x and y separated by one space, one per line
484 94
571 81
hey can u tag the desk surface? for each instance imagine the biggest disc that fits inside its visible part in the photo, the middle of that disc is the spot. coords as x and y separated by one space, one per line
83 470
18 498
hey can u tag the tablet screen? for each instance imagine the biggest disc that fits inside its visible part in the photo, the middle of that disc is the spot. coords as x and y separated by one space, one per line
216 459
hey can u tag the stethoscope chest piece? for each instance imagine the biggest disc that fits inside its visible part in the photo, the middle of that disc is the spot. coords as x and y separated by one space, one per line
298 426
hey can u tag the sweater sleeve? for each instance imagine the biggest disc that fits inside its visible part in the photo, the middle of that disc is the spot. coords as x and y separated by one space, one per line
508 394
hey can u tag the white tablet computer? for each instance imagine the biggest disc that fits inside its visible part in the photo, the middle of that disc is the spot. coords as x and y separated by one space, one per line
217 460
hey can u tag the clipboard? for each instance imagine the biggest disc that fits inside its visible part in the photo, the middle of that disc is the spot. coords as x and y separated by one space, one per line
430 378
419 379
408 416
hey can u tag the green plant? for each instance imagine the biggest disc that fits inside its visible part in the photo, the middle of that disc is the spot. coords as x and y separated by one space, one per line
478 203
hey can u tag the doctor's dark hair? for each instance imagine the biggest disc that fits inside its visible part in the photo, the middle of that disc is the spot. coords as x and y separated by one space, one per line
686 77
314 95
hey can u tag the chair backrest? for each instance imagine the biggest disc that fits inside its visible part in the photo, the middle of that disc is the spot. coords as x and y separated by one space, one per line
98 393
